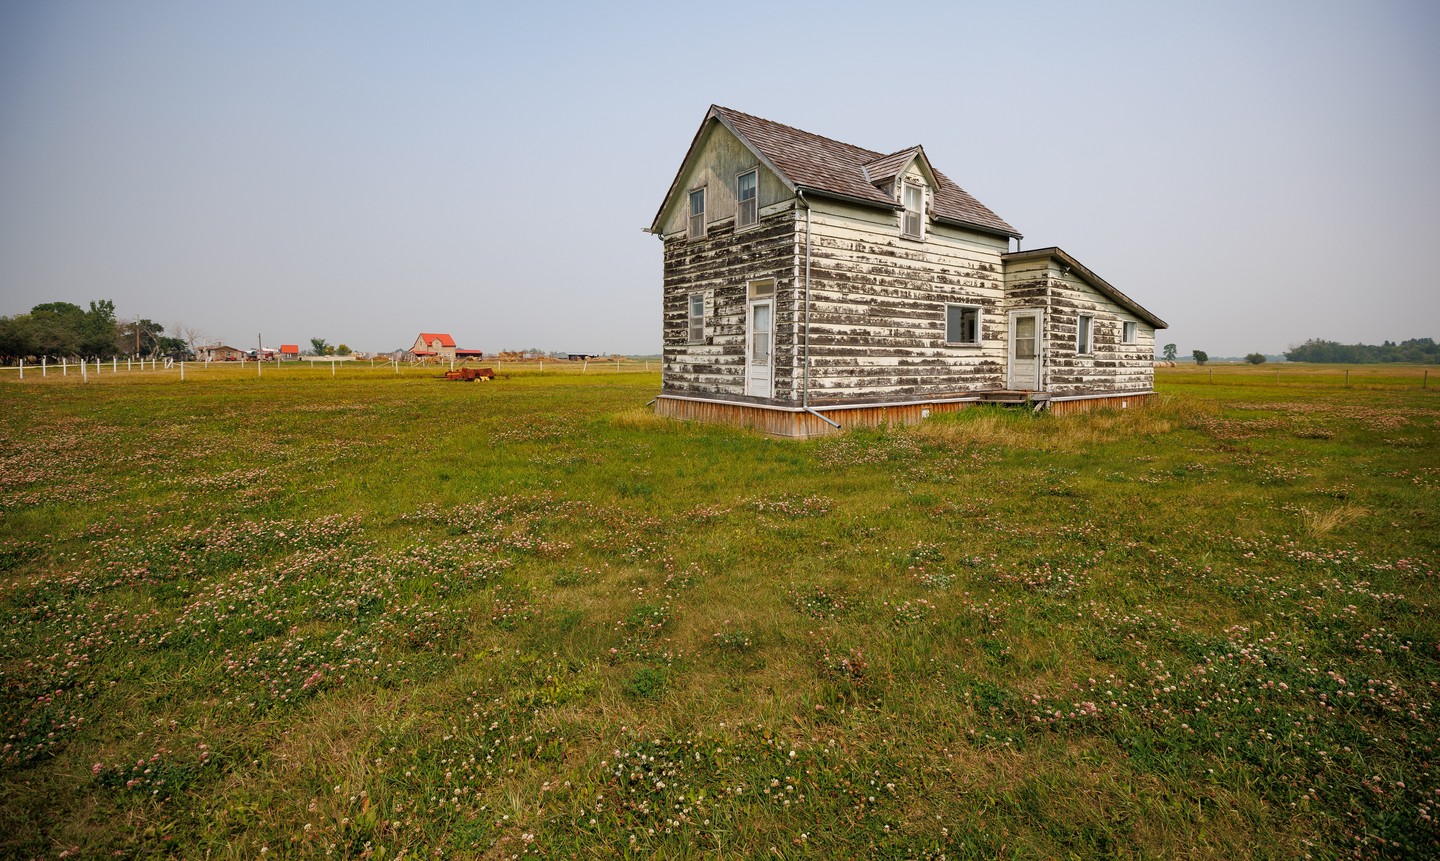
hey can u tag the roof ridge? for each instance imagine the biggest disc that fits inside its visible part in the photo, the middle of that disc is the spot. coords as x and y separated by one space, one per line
895 153
798 130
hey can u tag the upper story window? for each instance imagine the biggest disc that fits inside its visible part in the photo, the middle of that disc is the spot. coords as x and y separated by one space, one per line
1127 332
962 324
696 317
697 213
1083 329
913 220
747 210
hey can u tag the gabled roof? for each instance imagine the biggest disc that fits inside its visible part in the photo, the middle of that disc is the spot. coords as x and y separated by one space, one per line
445 340
289 348
823 166
887 167
1100 284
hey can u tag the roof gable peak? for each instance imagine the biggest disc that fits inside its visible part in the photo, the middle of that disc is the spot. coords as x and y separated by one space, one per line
809 163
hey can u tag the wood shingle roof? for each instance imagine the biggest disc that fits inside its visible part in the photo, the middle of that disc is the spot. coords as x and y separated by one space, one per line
824 166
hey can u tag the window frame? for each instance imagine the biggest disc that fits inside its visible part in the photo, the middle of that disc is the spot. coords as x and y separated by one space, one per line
753 200
979 319
1129 332
760 288
906 212
695 229
695 322
1084 334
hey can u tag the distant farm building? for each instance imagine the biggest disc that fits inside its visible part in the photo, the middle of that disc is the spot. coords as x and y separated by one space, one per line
810 284
440 346
289 351
220 353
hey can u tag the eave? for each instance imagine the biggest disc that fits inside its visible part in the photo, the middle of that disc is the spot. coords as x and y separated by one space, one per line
1105 287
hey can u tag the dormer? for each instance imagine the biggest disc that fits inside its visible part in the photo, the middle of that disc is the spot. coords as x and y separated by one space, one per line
745 164
907 177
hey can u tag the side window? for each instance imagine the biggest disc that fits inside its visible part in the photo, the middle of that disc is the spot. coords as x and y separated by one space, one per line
747 210
962 324
913 223
697 213
1127 333
1082 333
697 317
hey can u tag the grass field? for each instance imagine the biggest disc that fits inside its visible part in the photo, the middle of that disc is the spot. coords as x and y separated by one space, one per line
387 616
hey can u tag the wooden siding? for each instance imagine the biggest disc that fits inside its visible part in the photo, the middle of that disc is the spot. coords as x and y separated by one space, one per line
877 326
1110 366
720 267
717 166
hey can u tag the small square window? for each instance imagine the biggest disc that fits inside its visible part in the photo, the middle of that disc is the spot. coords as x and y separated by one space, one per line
747 209
697 317
1082 333
913 219
962 324
761 289
1127 332
697 213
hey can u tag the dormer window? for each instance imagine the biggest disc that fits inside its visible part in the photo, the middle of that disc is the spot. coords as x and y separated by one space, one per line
912 224
697 213
747 208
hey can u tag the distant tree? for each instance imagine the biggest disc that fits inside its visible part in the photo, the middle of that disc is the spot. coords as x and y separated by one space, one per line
18 338
166 345
100 330
1170 350
140 337
59 328
319 347
342 350
1200 356
1419 350
1255 358
190 336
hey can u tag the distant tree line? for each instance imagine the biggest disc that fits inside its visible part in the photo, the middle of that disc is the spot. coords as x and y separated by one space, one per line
63 329
1418 350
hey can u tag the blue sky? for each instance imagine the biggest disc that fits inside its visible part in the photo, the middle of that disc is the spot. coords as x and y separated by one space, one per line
1255 173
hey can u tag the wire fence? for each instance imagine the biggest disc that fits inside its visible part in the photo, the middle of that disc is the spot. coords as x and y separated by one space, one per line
100 369
1360 376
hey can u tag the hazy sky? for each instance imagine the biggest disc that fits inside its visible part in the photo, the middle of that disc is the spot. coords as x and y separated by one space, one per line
1256 173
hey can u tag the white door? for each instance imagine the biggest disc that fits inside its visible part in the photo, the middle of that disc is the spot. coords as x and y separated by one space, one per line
1024 350
759 349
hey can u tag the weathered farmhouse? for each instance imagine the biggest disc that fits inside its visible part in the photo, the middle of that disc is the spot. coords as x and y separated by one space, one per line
438 345
811 285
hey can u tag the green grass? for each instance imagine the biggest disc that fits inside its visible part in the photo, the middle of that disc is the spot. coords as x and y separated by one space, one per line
382 616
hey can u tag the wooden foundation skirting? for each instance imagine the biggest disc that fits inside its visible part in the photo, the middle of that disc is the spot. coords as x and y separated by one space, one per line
793 423
1061 405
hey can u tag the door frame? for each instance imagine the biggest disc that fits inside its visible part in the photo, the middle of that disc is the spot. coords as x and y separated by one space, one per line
750 347
1039 314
